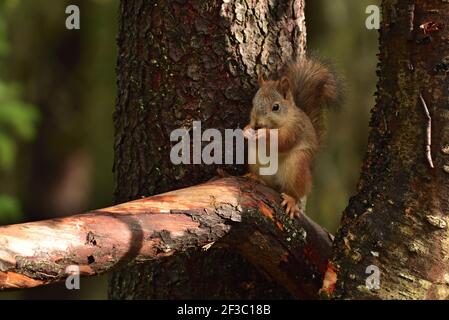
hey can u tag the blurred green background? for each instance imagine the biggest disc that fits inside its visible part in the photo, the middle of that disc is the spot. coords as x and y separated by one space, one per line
57 94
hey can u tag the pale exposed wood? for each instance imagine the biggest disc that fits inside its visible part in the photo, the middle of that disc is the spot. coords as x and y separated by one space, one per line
235 213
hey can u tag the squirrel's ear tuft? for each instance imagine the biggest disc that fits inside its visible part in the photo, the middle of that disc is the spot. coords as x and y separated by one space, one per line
260 77
261 80
284 86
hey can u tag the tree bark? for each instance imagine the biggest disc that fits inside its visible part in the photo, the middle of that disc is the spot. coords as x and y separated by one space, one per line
234 214
398 220
181 61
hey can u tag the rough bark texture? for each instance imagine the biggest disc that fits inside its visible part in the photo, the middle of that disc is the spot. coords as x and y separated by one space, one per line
398 219
235 214
181 61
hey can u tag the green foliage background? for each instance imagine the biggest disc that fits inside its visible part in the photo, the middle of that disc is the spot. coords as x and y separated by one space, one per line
17 124
336 30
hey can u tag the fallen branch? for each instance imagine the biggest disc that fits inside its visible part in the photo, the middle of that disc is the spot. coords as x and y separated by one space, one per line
230 213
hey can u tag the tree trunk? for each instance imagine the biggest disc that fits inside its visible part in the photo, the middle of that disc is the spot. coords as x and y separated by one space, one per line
398 220
182 61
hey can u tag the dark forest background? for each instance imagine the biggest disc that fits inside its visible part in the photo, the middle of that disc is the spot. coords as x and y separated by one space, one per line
57 96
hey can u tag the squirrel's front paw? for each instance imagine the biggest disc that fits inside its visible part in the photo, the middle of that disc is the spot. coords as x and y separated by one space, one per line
249 132
291 206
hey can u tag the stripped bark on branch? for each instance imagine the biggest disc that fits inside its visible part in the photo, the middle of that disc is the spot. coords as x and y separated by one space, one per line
232 213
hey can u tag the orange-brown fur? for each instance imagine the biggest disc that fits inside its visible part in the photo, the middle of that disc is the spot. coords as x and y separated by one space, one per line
292 103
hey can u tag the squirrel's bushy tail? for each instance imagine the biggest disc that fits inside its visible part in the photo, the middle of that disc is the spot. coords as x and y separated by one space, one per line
314 86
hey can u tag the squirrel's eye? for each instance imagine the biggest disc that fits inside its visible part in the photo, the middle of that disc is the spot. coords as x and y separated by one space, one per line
275 107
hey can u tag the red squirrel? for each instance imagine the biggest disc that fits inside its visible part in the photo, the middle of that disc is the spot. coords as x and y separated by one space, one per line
292 102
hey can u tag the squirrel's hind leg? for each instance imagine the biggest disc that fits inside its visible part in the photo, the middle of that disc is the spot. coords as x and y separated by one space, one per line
290 205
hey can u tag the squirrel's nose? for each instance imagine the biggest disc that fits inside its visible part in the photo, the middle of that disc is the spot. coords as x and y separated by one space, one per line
255 125
259 125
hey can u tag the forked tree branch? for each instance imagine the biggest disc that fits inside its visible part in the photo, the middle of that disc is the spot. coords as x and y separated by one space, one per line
231 213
